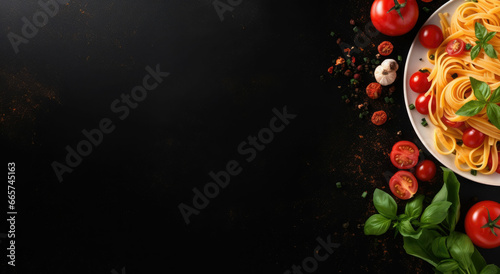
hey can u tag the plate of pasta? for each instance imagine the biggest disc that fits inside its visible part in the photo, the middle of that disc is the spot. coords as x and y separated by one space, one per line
455 81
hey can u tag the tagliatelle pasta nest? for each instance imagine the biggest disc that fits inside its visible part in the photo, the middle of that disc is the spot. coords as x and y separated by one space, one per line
451 86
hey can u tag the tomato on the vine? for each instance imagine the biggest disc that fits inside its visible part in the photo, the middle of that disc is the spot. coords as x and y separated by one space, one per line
422 104
490 162
455 47
472 137
426 170
394 20
419 82
404 155
482 224
403 185
452 124
430 36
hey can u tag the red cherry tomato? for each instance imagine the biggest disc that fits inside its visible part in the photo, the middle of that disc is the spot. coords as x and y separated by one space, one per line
452 124
479 215
403 185
385 48
404 155
430 36
419 82
426 170
373 90
379 117
490 162
473 137
455 47
389 22
422 104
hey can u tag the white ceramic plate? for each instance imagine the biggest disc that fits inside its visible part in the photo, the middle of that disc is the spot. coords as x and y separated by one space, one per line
425 134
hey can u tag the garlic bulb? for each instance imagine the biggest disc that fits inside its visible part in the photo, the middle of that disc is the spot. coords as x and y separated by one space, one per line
384 76
390 64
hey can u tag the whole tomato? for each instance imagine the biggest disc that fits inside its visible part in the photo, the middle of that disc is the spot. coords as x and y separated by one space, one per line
394 20
482 224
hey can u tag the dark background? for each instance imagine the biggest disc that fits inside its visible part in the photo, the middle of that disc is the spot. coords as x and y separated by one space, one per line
119 208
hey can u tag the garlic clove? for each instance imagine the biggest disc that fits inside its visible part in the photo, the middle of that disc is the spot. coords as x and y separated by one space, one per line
383 76
390 64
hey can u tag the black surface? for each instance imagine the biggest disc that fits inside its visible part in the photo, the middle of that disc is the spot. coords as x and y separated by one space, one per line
119 207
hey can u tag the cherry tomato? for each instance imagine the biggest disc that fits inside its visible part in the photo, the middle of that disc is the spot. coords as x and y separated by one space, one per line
455 47
404 155
481 214
472 137
422 104
385 48
452 124
389 22
490 162
379 117
403 185
426 170
419 82
374 90
430 36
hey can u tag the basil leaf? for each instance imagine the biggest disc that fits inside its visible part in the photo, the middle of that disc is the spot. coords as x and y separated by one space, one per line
493 112
442 195
495 97
421 248
478 260
439 248
414 208
475 51
407 230
481 90
385 204
480 31
489 36
490 269
490 51
435 213
471 108
377 225
447 265
461 248
453 190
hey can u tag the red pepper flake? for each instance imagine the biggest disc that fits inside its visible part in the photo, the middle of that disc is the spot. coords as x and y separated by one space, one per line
330 70
353 60
339 61
379 117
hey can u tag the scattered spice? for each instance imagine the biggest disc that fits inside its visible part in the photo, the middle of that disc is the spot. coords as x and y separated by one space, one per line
364 194
473 172
339 185
330 70
454 75
431 56
352 22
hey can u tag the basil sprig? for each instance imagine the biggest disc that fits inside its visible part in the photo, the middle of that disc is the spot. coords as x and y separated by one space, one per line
485 98
429 232
483 37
